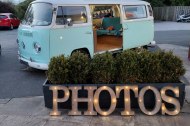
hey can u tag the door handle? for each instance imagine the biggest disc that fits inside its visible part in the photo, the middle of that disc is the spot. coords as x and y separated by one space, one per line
88 33
125 29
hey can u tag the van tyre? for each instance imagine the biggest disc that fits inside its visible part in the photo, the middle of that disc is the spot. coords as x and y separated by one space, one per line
83 52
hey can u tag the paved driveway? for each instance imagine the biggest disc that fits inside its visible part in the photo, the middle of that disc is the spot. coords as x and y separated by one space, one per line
14 80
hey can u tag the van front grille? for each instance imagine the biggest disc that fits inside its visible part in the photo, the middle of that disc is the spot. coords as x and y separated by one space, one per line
28 34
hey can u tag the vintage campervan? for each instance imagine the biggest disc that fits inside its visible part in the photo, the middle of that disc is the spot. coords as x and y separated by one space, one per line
54 27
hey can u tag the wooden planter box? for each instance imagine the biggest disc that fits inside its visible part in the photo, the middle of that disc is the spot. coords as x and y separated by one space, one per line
105 97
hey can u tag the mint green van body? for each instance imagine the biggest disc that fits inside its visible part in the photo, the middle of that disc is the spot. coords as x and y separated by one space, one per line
39 40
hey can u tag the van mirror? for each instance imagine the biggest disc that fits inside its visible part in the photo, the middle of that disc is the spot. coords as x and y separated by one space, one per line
69 22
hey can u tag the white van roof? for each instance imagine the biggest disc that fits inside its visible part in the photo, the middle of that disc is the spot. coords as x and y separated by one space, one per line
86 2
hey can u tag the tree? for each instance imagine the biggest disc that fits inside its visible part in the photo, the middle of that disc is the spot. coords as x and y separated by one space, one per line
21 8
159 3
156 3
6 7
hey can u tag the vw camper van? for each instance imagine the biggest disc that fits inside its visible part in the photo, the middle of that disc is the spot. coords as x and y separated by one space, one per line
55 27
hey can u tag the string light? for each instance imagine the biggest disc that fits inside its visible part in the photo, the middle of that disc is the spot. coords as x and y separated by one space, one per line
177 91
126 87
163 108
136 89
127 112
117 89
170 100
150 113
114 101
95 101
126 99
162 92
104 113
104 87
67 94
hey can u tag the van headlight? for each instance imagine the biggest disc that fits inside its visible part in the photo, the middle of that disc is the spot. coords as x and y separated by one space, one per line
37 47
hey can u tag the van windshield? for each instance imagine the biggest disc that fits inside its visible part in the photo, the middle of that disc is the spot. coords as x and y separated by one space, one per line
38 14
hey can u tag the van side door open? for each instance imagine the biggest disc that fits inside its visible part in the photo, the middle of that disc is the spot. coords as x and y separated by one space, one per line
138 26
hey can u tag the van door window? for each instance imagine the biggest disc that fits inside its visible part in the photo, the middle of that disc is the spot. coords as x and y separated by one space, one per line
77 14
135 12
60 20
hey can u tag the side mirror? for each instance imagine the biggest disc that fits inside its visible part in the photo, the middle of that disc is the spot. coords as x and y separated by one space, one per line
69 22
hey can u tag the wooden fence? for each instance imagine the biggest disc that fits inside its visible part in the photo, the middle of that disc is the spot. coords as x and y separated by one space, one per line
169 13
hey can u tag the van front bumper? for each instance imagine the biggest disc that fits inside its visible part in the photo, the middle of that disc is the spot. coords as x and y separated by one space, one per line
40 66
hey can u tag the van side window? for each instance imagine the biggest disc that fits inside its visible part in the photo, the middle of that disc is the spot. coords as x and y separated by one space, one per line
135 12
150 10
60 20
77 14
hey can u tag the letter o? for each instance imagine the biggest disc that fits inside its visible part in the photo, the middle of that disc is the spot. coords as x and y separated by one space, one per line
157 99
113 101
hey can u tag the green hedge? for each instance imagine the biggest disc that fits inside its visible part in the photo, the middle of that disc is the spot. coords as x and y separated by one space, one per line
102 69
78 65
58 70
139 66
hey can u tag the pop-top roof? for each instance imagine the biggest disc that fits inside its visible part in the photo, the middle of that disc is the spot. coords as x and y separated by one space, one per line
86 2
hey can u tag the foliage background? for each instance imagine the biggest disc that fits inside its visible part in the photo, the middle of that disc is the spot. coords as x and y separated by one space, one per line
19 10
159 3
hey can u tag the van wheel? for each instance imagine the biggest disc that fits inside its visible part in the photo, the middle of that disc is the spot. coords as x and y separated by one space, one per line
11 27
84 51
145 47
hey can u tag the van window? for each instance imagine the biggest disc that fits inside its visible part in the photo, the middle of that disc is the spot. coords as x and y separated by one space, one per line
135 12
77 14
38 14
60 20
150 10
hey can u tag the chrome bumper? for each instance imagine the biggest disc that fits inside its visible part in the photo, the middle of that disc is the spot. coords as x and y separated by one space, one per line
40 66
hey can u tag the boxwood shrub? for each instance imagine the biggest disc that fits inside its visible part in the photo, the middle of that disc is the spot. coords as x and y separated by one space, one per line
78 65
148 67
102 68
58 70
127 67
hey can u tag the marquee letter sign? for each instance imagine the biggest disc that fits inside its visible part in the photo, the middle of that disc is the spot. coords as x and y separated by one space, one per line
94 107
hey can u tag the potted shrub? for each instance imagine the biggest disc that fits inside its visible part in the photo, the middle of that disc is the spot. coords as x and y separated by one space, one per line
142 68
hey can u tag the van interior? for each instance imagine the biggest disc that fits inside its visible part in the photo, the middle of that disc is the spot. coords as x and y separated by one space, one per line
107 27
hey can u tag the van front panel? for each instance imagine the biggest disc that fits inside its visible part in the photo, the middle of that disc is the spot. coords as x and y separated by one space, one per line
34 44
